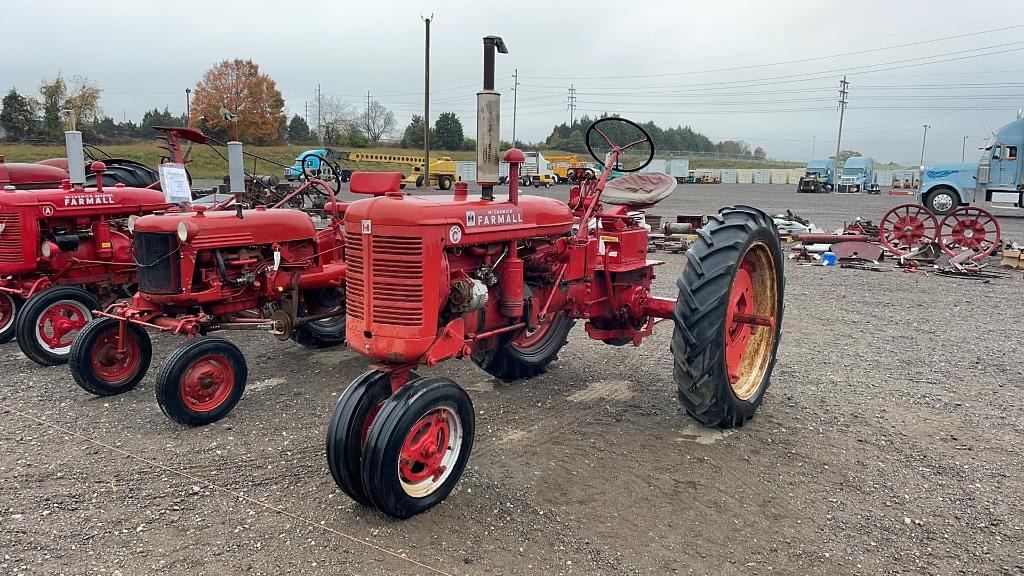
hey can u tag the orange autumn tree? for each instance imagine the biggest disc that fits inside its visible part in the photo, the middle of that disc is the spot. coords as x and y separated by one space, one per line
238 87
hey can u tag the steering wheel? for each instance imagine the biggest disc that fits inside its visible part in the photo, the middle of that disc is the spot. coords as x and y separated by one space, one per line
334 176
600 137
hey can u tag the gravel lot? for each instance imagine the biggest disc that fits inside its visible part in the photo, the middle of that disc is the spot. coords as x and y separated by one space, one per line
890 442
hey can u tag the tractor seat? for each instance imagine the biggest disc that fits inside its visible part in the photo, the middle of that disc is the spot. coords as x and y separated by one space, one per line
638 189
330 206
375 183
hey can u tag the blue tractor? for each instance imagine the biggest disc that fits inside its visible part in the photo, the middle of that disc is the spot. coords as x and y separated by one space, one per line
995 177
319 163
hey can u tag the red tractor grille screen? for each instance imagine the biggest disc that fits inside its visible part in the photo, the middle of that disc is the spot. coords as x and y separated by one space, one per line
10 238
396 279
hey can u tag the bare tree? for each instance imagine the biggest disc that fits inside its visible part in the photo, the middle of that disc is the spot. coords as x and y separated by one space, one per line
337 117
377 121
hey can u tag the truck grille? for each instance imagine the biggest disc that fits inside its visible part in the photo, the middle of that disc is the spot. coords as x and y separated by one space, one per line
10 238
159 270
395 279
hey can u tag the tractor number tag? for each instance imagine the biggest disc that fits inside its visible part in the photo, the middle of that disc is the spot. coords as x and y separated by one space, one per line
455 234
47 210
366 227
493 217
88 199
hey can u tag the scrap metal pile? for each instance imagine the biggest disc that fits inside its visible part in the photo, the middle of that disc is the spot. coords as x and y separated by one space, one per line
911 235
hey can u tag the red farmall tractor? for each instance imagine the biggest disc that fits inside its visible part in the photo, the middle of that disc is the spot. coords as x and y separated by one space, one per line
63 253
206 271
502 280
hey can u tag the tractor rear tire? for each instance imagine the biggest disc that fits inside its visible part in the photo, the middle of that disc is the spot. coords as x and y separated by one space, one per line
531 356
122 171
735 268
418 446
93 362
64 310
201 381
348 429
321 333
9 306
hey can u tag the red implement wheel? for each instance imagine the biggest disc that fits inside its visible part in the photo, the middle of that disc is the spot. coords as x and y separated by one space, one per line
906 227
201 381
48 323
9 306
969 228
728 317
100 367
418 446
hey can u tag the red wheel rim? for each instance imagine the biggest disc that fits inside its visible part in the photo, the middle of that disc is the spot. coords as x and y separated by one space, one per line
751 315
59 324
528 339
6 311
110 365
207 383
906 227
969 228
430 450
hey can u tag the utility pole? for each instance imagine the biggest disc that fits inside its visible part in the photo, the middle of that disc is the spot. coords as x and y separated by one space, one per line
572 105
367 113
843 93
426 104
814 141
963 151
515 97
319 116
188 107
924 139
306 115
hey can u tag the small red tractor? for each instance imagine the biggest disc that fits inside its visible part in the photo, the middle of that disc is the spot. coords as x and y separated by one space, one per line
502 280
207 271
63 252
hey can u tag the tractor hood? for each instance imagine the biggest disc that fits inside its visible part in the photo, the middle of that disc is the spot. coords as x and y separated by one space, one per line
47 173
478 220
221 229
111 200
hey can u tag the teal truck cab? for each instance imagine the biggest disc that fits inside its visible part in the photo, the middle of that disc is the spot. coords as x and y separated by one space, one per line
819 176
995 178
858 176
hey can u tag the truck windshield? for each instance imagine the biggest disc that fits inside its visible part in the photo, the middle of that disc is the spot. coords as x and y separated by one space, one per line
852 171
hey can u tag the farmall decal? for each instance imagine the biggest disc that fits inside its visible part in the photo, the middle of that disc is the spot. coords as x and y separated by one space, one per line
89 200
493 217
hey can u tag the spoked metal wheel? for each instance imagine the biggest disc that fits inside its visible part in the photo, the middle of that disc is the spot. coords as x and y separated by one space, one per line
8 309
201 381
969 228
418 446
104 363
907 227
49 322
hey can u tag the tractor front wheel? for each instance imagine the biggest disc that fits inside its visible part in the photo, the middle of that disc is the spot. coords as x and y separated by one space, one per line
201 381
418 446
48 323
529 354
9 306
728 317
99 367
349 427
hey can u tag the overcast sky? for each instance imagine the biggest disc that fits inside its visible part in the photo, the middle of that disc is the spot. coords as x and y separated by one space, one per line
764 72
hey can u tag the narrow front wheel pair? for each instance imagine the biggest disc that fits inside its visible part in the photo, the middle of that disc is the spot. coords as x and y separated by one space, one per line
402 453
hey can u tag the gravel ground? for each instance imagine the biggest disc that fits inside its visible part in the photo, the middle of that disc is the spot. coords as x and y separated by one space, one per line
890 442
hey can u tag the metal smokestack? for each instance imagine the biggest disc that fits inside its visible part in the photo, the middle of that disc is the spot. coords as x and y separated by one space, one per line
488 122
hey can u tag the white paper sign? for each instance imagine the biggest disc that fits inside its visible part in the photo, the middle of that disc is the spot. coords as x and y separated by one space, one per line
174 183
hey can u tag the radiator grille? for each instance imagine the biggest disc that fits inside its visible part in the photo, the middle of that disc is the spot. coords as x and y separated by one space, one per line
10 238
159 269
395 284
